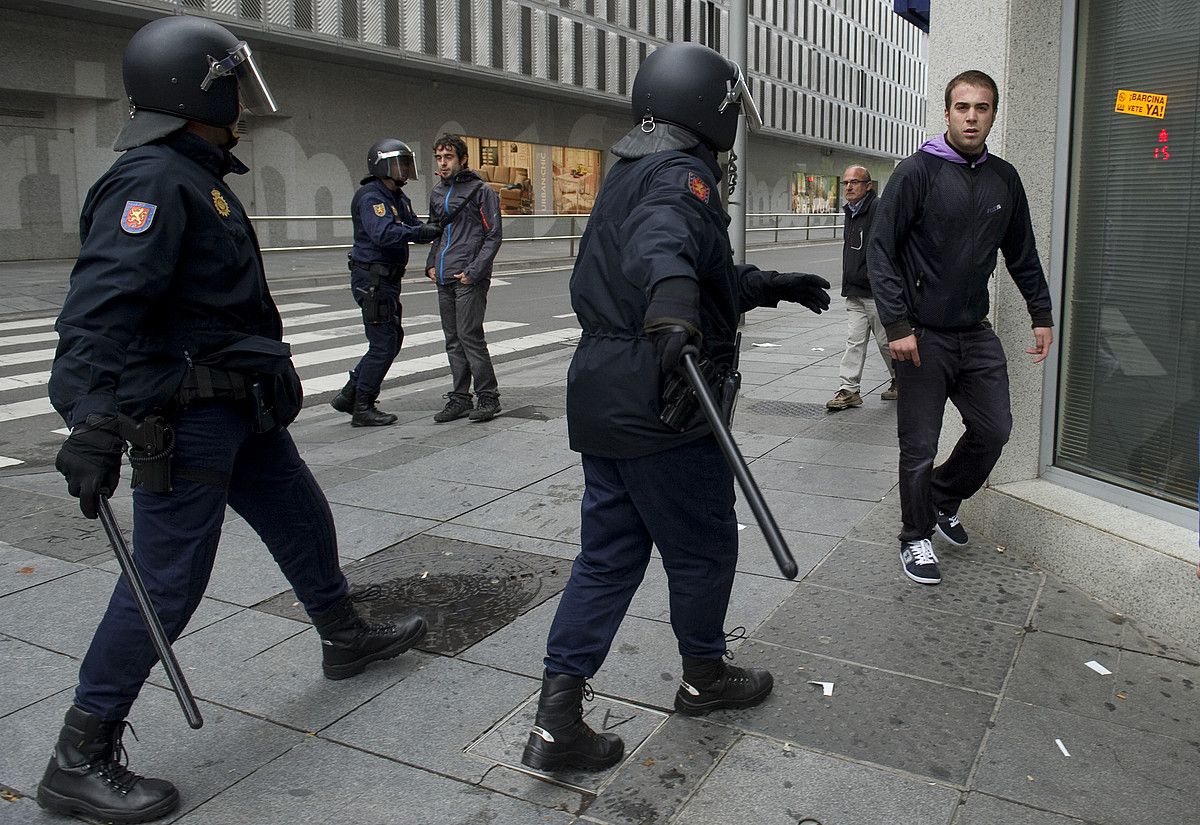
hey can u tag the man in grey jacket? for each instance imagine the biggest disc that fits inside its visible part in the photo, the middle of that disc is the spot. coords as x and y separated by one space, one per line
460 263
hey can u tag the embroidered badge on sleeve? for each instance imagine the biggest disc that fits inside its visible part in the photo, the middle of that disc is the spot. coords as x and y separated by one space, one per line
137 216
699 188
220 204
380 210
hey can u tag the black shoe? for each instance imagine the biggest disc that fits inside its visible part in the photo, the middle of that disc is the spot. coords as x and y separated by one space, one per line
950 528
560 738
489 408
348 644
86 776
366 414
456 407
711 684
919 561
343 402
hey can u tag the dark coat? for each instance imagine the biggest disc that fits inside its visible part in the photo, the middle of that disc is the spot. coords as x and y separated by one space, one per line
168 271
384 225
655 217
934 239
469 211
856 236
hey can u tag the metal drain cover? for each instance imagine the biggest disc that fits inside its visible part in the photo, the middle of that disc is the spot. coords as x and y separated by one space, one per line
465 591
789 409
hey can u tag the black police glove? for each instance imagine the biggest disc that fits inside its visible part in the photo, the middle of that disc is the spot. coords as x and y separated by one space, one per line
90 459
673 322
802 288
429 232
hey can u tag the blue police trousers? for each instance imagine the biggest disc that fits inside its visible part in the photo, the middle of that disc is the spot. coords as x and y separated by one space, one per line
384 336
175 538
681 500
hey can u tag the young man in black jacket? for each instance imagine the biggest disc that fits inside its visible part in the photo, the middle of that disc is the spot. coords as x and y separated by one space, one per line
863 320
947 209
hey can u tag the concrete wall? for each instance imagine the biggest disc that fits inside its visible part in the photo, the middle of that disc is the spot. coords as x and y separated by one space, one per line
63 108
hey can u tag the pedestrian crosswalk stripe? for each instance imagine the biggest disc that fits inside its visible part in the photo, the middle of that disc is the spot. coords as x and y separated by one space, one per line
407 366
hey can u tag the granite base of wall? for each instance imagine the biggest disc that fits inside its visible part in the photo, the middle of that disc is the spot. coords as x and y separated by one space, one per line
1141 566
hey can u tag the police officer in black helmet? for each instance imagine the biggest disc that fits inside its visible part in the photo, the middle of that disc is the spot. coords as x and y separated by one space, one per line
169 338
384 226
654 279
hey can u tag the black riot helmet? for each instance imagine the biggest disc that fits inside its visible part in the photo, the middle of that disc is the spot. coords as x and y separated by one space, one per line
690 85
183 68
391 158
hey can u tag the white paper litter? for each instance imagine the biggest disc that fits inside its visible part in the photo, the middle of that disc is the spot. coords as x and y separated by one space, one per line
826 687
1062 747
1099 668
741 527
765 344
818 349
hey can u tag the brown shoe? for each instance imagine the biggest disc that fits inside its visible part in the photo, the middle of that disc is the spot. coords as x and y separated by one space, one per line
891 393
844 399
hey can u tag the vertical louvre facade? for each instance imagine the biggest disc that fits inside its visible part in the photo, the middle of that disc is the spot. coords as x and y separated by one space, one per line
840 73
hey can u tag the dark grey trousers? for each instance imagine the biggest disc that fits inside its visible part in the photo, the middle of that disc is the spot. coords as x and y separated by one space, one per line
462 307
967 367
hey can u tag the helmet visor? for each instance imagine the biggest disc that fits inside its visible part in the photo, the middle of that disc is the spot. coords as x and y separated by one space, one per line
252 88
399 165
738 94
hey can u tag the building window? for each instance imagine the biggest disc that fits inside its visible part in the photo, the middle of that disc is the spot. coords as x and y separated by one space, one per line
1129 381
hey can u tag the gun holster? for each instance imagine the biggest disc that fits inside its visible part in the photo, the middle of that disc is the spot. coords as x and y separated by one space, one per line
679 403
151 445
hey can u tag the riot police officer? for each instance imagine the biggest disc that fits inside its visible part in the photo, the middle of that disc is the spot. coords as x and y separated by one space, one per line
169 336
654 279
384 225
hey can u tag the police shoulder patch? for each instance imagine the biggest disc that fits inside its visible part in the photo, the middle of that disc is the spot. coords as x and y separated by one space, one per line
219 203
380 210
699 188
137 216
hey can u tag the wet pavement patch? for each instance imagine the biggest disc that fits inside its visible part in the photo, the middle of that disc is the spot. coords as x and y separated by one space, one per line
529 412
465 591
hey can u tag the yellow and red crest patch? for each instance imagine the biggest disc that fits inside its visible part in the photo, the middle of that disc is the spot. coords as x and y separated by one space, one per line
137 217
220 203
699 188
380 210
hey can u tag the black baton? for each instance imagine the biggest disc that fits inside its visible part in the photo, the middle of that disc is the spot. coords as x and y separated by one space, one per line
766 521
153 626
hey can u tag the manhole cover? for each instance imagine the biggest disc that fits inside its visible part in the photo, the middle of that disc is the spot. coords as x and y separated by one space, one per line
465 591
789 409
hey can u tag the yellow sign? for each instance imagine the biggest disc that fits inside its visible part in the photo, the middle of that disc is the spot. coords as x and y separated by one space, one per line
1142 104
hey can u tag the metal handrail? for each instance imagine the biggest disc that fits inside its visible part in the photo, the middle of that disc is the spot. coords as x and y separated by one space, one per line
777 217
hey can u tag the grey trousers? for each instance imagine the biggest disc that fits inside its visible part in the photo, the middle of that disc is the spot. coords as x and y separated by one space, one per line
462 307
863 322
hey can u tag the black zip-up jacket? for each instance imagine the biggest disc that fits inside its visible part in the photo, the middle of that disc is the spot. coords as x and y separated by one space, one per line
168 271
934 238
656 217
856 236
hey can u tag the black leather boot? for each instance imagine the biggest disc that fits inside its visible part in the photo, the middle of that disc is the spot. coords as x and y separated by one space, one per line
366 414
86 776
560 738
711 684
343 402
349 644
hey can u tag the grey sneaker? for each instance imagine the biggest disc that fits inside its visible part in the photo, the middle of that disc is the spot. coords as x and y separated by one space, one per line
920 562
456 407
844 399
891 393
487 408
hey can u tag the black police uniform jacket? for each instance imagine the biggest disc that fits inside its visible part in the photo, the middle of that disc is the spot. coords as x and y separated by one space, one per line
384 225
655 217
934 238
169 272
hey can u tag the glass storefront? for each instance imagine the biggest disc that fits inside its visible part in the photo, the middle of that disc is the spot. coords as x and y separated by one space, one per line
1129 385
814 194
531 178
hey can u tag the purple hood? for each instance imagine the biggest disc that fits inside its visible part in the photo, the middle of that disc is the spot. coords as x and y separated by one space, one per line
938 147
